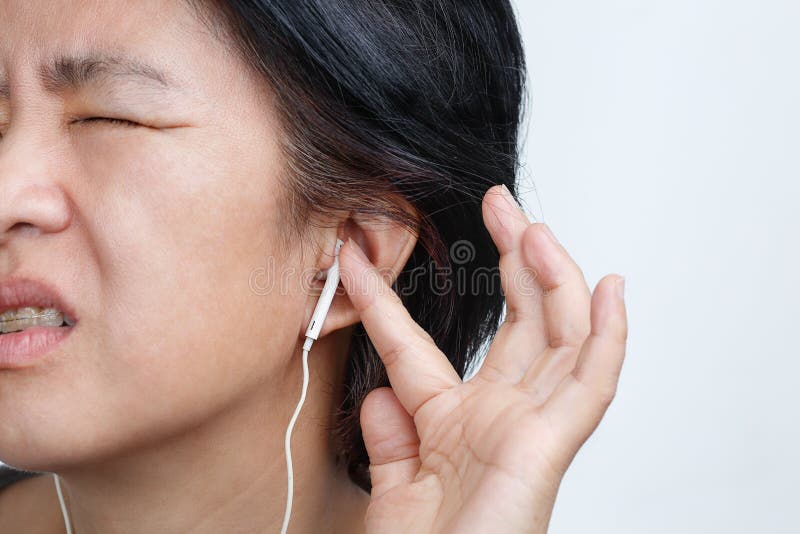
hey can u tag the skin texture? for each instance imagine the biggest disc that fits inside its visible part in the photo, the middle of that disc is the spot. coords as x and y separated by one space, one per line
164 410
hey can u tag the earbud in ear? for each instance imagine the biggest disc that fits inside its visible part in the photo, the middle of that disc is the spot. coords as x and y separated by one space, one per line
325 298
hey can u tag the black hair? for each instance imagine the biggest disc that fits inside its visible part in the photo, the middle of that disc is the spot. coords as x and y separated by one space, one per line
386 105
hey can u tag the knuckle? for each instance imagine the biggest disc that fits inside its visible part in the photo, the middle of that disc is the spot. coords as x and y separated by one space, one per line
560 341
394 447
573 337
394 354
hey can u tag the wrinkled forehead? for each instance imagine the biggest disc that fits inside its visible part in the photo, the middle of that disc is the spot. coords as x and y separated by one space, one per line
166 34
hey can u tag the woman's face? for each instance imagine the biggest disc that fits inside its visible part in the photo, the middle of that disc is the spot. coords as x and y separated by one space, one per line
150 231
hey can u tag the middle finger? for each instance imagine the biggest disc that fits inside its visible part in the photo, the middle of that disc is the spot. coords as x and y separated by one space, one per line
522 335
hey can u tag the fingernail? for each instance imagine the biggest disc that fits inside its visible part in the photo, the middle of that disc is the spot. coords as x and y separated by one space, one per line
509 197
549 233
621 288
358 251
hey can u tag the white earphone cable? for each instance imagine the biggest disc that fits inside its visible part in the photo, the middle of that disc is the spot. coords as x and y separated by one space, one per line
287 447
288 442
313 330
63 506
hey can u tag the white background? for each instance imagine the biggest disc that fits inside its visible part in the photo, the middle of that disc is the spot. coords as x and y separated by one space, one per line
663 145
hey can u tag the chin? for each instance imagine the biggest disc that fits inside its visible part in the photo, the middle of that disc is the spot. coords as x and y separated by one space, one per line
38 444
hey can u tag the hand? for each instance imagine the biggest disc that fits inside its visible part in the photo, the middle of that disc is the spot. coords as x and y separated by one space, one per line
488 454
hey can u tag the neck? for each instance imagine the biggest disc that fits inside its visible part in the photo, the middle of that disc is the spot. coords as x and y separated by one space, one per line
227 475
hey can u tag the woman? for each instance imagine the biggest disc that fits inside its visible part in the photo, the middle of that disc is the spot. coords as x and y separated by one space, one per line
174 176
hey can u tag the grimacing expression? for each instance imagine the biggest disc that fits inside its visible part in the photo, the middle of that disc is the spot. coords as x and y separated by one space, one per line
149 224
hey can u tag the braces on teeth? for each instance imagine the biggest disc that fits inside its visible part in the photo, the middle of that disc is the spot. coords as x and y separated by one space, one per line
26 317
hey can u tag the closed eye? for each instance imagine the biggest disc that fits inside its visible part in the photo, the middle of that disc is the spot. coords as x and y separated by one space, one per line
119 122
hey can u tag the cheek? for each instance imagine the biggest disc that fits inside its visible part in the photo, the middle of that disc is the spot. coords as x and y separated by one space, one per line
181 332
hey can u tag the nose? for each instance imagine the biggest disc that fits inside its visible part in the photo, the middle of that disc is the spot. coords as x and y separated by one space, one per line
31 198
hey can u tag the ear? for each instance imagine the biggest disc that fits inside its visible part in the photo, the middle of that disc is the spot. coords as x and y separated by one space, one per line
387 244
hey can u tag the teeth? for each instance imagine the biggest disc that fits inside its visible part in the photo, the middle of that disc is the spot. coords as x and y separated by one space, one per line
22 318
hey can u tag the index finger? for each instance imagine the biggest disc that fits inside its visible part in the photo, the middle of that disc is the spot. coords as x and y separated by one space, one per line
417 369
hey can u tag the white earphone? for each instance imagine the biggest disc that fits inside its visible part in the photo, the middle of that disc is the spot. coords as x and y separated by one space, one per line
325 298
312 332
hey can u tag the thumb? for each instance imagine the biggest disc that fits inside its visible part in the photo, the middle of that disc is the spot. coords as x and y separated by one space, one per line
391 440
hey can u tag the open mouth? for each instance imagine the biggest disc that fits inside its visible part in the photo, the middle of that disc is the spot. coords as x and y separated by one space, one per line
16 320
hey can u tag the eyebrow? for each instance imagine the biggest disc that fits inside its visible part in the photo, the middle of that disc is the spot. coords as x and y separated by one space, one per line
74 72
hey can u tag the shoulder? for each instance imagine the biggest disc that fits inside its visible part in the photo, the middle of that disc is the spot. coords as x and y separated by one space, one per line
25 503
